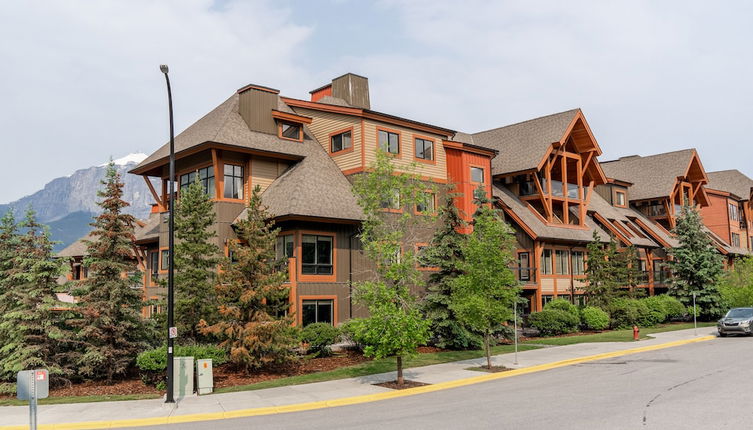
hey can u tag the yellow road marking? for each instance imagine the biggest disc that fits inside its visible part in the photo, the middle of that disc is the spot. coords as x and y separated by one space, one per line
366 398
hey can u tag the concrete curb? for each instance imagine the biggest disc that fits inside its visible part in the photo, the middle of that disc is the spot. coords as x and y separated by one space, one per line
141 422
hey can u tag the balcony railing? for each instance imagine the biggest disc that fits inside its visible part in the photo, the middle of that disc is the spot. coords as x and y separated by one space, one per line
527 188
661 277
572 189
655 210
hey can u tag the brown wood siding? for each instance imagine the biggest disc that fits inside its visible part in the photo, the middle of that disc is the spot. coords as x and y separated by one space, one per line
407 150
323 124
605 191
264 171
353 89
255 107
340 290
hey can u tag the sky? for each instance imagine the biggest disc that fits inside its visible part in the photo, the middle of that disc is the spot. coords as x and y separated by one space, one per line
80 80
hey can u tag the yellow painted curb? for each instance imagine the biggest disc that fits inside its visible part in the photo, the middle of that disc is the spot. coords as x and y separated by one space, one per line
366 398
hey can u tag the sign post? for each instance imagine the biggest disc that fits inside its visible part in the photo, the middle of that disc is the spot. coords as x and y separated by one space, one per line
695 324
32 385
515 326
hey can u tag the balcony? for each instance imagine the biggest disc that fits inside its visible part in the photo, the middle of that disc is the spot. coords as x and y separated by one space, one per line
527 188
661 277
654 210
526 275
557 191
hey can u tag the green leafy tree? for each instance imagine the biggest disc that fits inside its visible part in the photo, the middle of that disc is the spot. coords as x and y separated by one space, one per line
483 294
696 265
251 322
602 272
446 254
196 260
736 286
395 326
110 323
32 323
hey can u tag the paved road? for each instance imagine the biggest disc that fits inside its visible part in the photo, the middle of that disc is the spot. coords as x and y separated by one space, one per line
707 385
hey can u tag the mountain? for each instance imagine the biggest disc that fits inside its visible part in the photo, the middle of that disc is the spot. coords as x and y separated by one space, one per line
68 204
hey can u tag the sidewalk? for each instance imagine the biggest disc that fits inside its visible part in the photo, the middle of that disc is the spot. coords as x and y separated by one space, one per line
311 396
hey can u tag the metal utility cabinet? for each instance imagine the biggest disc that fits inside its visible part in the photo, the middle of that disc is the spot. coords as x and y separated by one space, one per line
182 376
204 376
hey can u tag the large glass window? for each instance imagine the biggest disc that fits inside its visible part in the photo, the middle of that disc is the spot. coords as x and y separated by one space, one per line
524 266
340 142
389 142
316 258
233 182
735 239
165 259
206 179
561 265
578 266
285 246
546 262
733 212
291 131
424 149
393 202
477 174
314 311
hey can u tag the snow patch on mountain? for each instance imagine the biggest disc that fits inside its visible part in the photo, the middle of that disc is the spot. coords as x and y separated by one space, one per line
137 157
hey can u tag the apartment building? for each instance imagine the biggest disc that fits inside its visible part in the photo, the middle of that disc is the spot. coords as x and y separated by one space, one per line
544 174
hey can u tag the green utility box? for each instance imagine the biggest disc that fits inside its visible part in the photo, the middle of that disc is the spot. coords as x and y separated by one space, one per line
182 376
204 376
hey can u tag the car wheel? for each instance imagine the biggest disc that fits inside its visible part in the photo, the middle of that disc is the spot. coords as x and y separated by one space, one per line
722 334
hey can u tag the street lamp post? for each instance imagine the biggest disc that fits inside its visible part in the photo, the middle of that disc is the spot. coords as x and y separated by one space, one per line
169 398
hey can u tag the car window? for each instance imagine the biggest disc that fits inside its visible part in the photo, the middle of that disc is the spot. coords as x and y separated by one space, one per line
740 313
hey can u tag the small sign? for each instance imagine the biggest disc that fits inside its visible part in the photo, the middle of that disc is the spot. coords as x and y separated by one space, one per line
32 384
173 332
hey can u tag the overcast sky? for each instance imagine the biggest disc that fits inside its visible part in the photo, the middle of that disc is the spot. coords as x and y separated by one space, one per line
79 80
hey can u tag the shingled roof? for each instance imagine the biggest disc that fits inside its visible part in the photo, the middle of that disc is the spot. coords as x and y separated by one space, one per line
522 146
77 248
731 181
624 216
653 176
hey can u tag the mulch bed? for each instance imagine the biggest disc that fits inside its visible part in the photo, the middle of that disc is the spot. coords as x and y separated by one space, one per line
406 384
494 369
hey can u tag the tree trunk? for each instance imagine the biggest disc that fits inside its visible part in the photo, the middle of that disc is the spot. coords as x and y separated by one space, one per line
488 351
400 380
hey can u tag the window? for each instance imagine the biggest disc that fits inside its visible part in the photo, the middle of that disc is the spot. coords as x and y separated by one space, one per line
561 266
233 182
642 265
524 266
206 179
392 202
154 264
546 299
619 198
317 255
426 206
477 174
735 239
291 131
733 212
577 258
340 142
285 247
317 311
165 260
424 149
546 262
580 300
389 142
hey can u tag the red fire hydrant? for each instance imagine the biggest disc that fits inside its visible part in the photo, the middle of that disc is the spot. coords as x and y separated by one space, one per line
636 332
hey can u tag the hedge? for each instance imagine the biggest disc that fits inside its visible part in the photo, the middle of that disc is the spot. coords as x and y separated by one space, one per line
319 337
594 318
551 322
152 363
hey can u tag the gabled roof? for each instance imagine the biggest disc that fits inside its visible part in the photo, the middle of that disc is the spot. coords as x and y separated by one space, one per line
522 146
77 248
149 231
731 181
621 216
723 246
540 229
652 176
224 125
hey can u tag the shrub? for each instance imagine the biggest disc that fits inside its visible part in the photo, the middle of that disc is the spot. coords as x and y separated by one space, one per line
672 307
625 313
563 305
551 322
152 363
657 312
594 318
319 337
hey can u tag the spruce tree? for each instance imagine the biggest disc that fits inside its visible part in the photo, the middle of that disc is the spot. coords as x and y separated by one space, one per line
446 254
628 272
111 327
32 322
9 242
196 259
696 265
252 297
602 272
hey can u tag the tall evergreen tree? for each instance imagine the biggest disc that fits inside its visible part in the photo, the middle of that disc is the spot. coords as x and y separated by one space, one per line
9 242
602 272
34 335
196 259
696 265
446 254
111 327
252 296
627 271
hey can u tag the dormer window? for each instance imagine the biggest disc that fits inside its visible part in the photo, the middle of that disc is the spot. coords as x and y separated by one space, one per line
619 199
291 131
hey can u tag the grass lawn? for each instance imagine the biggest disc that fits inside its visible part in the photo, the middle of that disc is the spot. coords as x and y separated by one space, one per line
79 399
373 367
615 335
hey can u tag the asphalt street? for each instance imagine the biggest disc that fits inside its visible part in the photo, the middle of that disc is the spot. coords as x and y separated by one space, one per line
706 385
